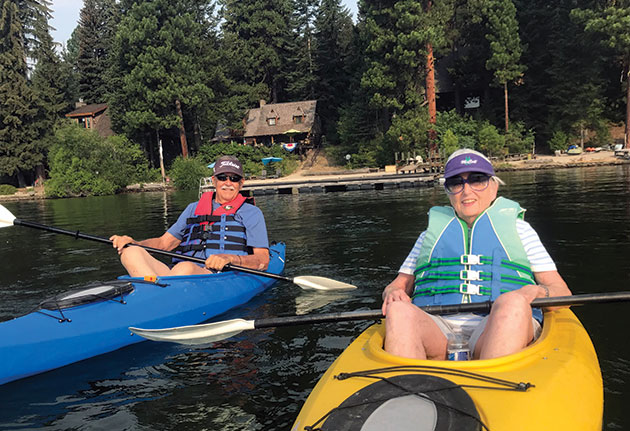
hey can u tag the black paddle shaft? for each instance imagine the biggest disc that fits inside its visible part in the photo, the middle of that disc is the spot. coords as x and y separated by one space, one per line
77 235
476 307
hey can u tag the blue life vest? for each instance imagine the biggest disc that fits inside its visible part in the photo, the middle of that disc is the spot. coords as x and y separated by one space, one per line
214 231
459 265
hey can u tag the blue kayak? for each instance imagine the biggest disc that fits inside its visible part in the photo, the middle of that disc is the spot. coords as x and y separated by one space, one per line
94 320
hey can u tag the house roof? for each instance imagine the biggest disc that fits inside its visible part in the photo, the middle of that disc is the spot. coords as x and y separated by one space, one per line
256 119
86 110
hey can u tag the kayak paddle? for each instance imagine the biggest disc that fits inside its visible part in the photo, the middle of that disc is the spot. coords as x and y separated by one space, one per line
210 332
307 282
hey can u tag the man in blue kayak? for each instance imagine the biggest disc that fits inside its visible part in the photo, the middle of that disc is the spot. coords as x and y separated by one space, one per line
476 250
221 227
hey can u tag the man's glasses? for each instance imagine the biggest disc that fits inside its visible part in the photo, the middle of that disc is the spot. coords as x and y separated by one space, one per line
477 181
224 177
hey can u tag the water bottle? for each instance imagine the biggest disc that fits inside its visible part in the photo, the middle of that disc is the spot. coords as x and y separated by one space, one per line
457 348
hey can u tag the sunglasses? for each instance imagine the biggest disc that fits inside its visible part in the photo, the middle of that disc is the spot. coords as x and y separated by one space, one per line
224 177
477 181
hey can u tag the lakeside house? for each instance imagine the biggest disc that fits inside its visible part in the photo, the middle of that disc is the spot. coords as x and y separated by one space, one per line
93 116
294 125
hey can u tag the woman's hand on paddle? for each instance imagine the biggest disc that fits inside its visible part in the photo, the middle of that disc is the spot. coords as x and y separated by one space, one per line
119 242
397 290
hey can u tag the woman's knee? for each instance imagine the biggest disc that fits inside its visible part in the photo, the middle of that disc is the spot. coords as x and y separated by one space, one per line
511 305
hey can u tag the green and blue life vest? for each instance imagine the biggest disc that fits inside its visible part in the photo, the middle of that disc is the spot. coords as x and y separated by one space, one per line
458 264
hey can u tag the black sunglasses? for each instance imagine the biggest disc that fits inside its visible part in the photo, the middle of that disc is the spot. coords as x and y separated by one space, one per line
224 177
477 181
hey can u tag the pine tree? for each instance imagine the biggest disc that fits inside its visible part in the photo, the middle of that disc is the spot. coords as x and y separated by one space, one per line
48 84
333 50
505 46
18 151
566 76
300 62
398 36
159 74
97 23
611 24
257 34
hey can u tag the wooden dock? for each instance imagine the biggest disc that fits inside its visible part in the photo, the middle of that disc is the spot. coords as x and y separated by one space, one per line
330 183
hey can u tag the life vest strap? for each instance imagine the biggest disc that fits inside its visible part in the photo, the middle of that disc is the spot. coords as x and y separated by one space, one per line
200 247
207 219
209 236
217 228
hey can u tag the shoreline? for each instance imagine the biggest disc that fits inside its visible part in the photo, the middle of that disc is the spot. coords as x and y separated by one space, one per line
603 158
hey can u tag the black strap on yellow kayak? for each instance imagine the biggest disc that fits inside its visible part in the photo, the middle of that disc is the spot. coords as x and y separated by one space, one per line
377 374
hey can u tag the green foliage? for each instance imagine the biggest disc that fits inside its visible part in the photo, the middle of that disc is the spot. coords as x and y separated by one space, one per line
449 144
186 173
20 150
464 128
7 189
82 164
519 140
490 141
95 33
559 141
161 58
409 132
256 34
505 43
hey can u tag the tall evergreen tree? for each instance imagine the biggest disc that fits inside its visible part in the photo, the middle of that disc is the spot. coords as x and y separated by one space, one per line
18 150
398 34
97 23
334 34
49 85
257 34
565 85
300 63
159 73
611 24
505 46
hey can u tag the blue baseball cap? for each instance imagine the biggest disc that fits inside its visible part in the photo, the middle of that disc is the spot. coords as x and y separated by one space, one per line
466 160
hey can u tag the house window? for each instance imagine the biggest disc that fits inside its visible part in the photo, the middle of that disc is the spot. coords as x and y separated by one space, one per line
271 121
298 119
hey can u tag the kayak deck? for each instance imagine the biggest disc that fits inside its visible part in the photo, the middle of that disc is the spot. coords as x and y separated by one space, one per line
555 383
50 338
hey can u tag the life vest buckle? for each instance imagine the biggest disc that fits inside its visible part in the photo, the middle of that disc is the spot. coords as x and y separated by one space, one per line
470 289
471 259
469 275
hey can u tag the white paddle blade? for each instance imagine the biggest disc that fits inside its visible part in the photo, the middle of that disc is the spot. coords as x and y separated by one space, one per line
321 283
196 334
6 218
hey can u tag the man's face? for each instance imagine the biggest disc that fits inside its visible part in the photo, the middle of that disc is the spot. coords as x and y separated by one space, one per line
227 185
469 203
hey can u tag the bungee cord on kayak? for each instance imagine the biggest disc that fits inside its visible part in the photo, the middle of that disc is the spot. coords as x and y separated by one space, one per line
376 374
508 385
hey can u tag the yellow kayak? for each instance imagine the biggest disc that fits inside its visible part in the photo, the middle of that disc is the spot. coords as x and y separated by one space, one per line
554 384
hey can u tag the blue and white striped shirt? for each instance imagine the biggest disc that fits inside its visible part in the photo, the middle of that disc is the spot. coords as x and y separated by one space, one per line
538 256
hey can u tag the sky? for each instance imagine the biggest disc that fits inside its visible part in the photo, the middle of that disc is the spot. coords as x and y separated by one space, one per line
66 14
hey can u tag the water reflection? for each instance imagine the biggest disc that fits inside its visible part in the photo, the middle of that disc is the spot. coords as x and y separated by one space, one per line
259 379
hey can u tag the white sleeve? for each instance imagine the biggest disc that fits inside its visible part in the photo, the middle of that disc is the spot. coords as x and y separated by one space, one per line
410 263
538 256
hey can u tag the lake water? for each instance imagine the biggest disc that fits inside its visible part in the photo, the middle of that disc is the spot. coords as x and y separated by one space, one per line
258 380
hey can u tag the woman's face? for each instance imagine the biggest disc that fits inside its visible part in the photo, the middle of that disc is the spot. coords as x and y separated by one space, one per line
469 203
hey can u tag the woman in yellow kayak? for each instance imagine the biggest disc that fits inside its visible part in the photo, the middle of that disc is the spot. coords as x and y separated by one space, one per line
478 249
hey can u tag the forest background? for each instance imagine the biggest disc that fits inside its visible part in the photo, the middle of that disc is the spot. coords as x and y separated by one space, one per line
545 75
